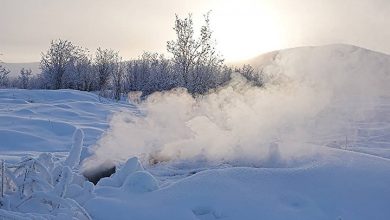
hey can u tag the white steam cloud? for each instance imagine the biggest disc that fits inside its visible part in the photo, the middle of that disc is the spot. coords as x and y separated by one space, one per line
313 95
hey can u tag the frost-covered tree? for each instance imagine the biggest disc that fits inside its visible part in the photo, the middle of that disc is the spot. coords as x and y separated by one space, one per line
106 60
130 78
162 77
38 82
184 48
79 74
4 80
150 73
58 61
118 79
196 59
24 78
138 73
86 75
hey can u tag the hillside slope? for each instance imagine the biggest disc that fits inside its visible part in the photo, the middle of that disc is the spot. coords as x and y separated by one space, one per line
352 86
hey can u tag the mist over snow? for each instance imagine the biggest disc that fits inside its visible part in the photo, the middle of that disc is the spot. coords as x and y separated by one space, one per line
336 95
314 143
127 124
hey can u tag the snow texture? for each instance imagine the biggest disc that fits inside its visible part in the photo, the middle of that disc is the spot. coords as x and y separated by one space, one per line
313 144
73 158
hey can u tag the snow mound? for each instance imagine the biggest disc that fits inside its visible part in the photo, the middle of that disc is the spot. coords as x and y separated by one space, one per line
140 181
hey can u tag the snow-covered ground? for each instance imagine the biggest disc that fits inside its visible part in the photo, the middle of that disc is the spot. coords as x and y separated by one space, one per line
44 121
313 144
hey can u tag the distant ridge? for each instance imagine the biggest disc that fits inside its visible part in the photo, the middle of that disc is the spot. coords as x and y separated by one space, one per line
266 58
16 67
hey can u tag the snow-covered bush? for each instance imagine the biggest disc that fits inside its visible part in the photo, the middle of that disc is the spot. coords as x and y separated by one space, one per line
31 176
46 187
253 76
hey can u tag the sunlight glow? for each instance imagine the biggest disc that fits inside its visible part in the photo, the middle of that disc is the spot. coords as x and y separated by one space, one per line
244 29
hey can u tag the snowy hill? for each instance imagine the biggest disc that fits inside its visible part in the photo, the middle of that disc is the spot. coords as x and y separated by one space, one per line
313 144
348 84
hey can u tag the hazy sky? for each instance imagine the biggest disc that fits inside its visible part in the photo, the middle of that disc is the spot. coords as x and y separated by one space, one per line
242 28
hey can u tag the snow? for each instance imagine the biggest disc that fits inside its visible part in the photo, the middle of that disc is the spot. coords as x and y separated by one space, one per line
44 121
345 186
140 181
313 144
73 158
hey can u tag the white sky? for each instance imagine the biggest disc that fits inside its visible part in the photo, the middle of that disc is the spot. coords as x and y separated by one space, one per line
243 28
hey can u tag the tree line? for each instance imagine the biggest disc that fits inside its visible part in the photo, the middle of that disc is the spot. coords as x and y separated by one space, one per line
194 64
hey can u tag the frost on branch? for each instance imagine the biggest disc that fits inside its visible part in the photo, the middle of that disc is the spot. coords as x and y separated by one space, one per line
74 155
45 187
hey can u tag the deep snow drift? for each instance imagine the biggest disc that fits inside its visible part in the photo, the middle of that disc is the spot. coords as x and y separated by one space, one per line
285 151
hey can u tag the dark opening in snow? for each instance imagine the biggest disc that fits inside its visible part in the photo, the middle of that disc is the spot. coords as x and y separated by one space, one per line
95 175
